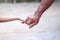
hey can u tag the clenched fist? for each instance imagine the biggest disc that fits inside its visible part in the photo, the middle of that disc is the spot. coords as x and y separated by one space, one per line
31 21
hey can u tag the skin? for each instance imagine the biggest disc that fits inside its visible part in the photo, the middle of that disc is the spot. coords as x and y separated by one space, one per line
8 19
33 20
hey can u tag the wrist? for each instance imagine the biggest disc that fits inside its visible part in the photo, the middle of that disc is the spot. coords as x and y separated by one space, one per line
16 18
38 15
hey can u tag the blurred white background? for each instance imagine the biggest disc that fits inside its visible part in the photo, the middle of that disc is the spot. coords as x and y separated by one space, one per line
48 27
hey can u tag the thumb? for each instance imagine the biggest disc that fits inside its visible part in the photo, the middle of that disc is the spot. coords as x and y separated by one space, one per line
23 21
31 25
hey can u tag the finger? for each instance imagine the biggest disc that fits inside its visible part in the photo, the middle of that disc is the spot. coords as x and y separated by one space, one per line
25 21
29 21
21 20
31 25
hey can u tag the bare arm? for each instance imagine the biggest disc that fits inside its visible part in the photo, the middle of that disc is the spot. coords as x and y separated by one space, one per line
45 4
7 19
34 19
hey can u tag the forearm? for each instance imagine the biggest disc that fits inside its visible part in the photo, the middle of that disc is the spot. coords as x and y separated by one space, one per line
7 19
45 4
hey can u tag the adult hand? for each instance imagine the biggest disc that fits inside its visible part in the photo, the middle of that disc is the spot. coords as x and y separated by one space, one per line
31 21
